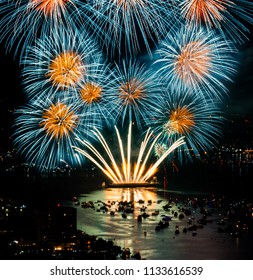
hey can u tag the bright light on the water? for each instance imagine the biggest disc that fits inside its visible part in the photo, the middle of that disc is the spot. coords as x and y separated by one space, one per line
126 172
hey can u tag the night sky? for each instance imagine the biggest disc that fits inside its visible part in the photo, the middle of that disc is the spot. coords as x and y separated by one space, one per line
240 98
238 105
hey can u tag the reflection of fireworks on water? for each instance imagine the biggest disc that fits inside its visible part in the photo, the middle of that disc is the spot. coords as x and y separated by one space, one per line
135 23
227 16
59 63
134 89
194 58
45 132
23 21
189 115
130 194
129 173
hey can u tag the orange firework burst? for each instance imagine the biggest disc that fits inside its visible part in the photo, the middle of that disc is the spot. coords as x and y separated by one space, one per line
91 92
132 90
181 121
193 61
209 11
66 69
129 3
49 7
226 16
59 120
196 58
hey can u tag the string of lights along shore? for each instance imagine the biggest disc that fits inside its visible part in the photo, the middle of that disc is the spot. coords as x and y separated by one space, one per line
85 81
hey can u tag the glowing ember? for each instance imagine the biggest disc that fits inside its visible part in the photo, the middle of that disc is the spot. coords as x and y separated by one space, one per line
129 173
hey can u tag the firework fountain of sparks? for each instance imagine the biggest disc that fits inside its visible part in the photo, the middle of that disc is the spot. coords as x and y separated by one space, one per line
128 173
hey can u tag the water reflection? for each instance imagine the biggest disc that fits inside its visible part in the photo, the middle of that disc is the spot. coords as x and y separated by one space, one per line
141 236
131 194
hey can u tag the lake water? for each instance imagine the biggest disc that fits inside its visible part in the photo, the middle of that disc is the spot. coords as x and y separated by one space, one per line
128 232
142 237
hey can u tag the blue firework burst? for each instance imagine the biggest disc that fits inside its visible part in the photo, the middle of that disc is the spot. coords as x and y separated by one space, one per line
46 130
190 115
133 92
23 21
131 25
195 58
96 95
59 64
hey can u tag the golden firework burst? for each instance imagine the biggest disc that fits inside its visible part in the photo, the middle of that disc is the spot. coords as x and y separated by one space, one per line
49 7
207 11
91 92
194 60
66 69
181 121
59 120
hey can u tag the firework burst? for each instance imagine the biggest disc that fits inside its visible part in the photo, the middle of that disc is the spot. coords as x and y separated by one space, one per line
94 93
160 149
134 89
194 58
190 115
229 17
23 21
59 64
45 131
134 24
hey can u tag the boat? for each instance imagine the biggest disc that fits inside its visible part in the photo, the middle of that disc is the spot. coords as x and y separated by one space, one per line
166 218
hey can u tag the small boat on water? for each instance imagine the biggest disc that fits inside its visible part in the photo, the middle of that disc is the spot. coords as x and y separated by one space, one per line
166 218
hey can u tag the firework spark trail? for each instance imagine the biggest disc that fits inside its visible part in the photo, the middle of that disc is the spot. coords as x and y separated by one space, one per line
140 175
129 138
142 150
141 170
106 169
175 145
